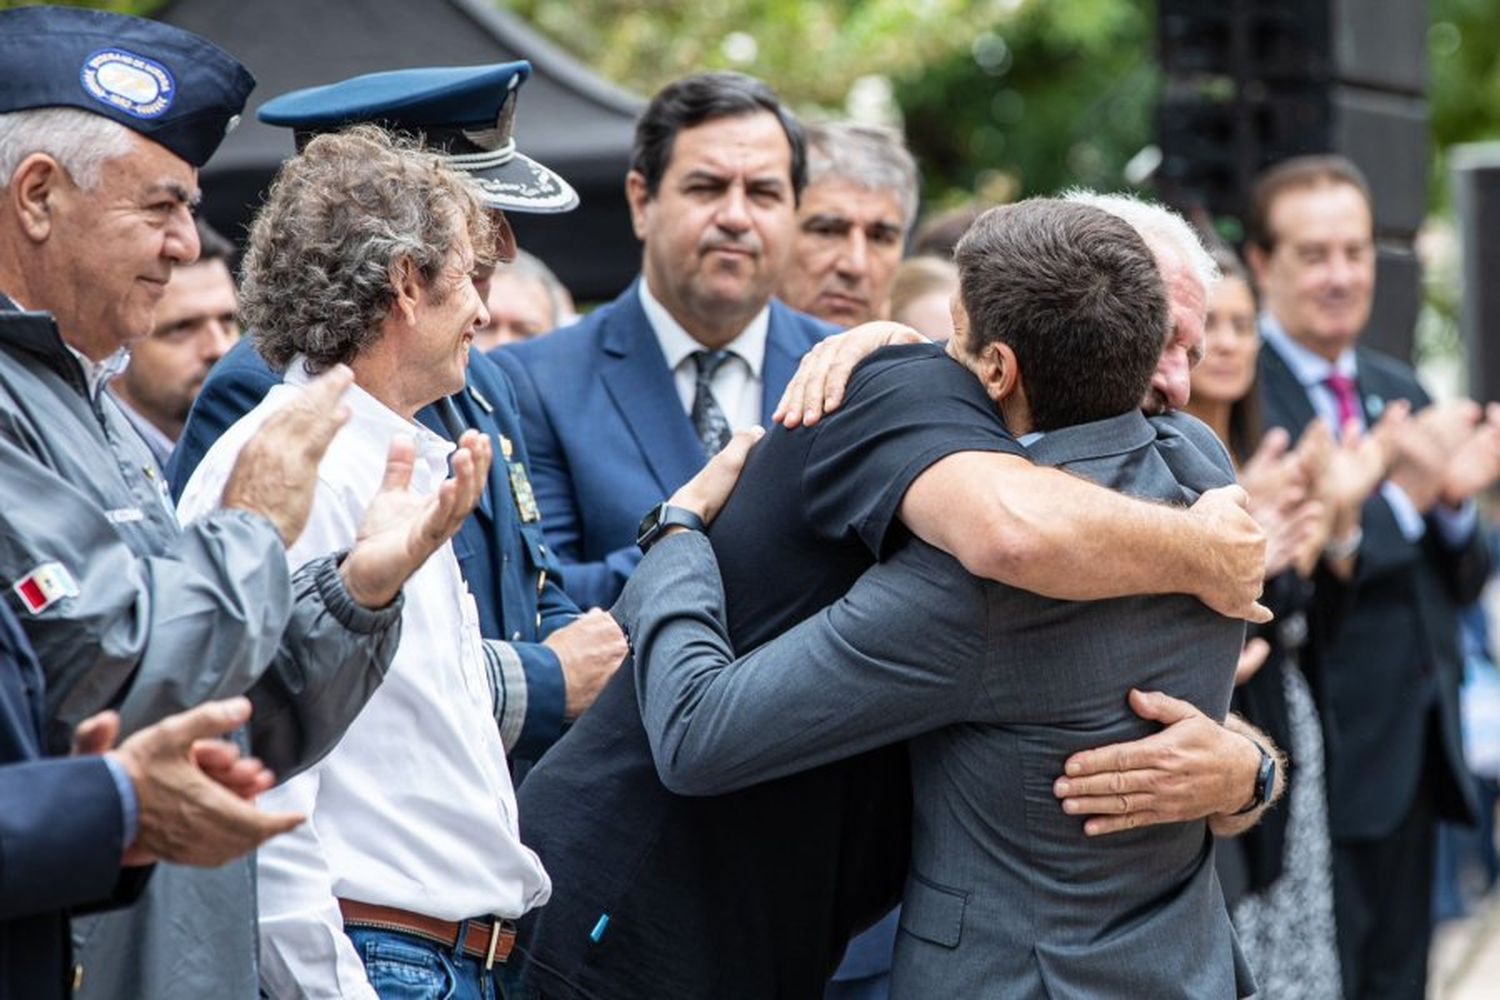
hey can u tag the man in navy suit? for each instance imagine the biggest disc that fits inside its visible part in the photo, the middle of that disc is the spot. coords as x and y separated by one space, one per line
1390 677
625 406
553 661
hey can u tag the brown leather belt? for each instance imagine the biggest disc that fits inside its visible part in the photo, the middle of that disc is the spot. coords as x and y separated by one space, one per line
489 939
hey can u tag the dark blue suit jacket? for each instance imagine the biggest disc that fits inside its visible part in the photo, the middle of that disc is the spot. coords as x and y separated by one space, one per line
60 832
503 559
608 434
1393 665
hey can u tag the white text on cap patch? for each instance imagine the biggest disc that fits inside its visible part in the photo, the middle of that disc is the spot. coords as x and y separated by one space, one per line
130 83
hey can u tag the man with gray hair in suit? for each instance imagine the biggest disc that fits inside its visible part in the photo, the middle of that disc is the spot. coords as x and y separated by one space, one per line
1006 896
859 205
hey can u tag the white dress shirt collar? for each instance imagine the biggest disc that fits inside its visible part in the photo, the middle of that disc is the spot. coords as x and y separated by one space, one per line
96 374
1309 367
677 344
370 418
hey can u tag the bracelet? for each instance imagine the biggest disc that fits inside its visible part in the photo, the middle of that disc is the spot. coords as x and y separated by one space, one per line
1344 548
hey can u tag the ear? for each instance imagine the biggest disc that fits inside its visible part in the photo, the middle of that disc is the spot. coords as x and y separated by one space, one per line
1259 262
640 199
36 188
407 282
998 372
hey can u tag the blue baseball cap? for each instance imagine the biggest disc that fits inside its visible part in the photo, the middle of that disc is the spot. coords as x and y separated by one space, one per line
464 114
176 89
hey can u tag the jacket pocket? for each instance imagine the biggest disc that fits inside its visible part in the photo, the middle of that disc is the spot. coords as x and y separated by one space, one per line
933 912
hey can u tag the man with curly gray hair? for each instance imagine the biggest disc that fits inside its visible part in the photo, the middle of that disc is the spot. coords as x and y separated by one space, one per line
365 254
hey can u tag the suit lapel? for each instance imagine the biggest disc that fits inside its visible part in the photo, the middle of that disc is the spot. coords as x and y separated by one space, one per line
636 376
782 357
1286 402
1375 391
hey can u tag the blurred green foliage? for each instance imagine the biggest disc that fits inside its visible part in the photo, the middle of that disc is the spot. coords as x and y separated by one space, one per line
1002 97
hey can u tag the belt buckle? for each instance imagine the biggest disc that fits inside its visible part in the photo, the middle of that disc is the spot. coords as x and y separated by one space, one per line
489 958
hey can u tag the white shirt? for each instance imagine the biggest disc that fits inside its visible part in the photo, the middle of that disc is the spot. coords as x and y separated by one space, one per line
738 386
98 373
414 807
1312 370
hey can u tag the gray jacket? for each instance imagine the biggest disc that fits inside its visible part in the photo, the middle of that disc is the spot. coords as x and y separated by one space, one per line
164 619
994 687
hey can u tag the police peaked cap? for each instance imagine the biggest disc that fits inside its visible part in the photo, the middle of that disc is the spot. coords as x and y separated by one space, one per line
465 114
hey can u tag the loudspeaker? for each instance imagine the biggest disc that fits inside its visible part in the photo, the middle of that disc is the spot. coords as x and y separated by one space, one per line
1476 196
1252 82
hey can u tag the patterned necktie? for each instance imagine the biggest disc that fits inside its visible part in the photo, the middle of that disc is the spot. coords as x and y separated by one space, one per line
708 420
1342 387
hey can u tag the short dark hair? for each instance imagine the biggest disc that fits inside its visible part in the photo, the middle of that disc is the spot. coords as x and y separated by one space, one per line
1076 293
1297 172
704 97
213 246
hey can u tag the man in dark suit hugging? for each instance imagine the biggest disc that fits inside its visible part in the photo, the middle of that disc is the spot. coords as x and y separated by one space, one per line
1061 321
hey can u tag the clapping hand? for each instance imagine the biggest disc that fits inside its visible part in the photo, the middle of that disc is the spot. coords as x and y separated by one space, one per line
402 528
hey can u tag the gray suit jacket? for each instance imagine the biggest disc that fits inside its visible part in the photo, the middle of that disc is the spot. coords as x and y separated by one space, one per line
994 687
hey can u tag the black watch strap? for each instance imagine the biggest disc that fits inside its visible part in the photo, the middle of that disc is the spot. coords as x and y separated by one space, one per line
661 517
1265 780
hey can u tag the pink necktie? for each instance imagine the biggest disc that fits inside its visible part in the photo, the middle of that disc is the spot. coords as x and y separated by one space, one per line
1344 394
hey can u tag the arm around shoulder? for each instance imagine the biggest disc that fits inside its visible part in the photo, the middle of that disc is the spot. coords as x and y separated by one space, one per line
1054 534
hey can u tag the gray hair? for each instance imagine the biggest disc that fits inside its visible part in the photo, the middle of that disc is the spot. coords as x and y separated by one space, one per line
341 219
871 156
528 265
82 142
1163 230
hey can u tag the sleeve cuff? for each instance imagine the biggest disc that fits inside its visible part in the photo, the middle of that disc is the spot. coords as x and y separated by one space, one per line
130 812
330 587
1456 525
508 693
1413 526
546 699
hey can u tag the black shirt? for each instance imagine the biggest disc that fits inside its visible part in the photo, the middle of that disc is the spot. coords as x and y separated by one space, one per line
752 894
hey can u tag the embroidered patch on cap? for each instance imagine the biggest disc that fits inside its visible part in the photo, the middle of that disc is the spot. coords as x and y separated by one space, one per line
45 586
130 83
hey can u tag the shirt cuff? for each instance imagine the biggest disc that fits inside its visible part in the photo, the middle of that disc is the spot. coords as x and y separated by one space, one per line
130 810
1410 520
1456 524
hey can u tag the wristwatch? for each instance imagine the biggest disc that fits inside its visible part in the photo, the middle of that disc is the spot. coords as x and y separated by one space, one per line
661 517
1265 781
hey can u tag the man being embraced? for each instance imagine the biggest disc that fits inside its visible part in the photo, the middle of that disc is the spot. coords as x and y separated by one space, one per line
1062 317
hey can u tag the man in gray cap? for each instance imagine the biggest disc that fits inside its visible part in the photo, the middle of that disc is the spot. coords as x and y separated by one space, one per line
104 120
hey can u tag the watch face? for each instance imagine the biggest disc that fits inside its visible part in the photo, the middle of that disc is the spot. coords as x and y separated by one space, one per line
649 524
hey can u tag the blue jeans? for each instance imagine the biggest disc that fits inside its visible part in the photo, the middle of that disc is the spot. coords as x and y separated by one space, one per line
404 967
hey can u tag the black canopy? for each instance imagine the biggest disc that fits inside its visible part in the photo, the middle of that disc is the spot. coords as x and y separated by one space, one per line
570 119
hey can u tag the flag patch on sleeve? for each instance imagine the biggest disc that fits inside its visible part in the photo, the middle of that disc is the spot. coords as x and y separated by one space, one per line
45 586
